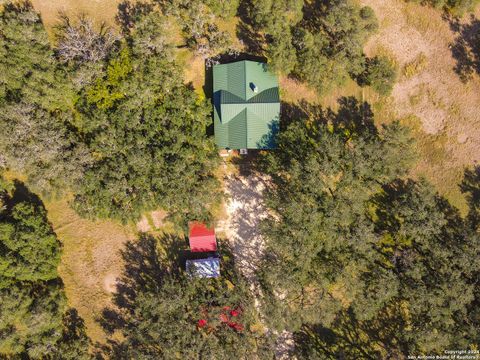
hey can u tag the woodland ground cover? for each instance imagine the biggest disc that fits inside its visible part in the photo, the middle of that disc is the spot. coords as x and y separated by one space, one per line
128 137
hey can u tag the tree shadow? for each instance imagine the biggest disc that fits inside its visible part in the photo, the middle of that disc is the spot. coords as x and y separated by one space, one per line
74 334
354 118
470 186
129 13
246 190
246 33
147 262
250 163
251 39
387 221
19 7
302 111
229 57
313 12
466 47
350 338
22 193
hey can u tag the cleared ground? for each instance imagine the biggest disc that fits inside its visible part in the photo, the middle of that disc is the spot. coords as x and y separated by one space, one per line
245 211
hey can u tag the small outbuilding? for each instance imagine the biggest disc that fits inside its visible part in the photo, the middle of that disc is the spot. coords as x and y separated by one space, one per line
202 238
204 268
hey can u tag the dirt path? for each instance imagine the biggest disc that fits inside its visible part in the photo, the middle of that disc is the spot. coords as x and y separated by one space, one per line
246 210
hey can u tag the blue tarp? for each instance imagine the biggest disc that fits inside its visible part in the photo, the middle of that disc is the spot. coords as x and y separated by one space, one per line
204 268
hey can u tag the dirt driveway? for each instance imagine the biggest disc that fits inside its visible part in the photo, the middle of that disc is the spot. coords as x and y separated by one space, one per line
246 210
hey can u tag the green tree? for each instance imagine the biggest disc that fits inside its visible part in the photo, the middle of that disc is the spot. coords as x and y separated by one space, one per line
37 143
470 186
151 34
198 19
34 97
35 324
30 319
275 19
425 242
29 249
330 42
266 14
223 8
193 319
146 130
33 310
323 173
320 42
380 73
409 302
280 51
27 64
74 342
361 264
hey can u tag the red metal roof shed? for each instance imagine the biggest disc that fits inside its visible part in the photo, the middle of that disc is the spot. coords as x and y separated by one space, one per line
202 239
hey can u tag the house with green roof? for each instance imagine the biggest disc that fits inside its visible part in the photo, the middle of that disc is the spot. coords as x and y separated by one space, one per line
246 105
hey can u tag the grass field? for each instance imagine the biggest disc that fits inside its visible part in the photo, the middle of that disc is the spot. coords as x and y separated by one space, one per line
91 261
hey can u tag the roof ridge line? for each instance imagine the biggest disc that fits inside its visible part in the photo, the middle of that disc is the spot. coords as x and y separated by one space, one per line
247 103
246 127
245 78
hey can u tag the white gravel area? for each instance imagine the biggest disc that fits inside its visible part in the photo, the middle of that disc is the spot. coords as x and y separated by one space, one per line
246 210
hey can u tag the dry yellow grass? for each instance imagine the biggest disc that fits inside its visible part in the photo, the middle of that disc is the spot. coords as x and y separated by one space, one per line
415 66
445 109
194 70
91 261
447 120
99 10
294 91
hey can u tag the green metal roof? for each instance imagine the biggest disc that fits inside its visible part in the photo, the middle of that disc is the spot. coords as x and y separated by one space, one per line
243 118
